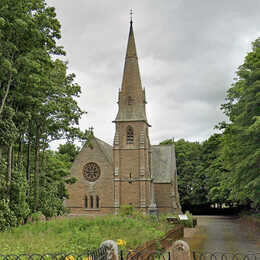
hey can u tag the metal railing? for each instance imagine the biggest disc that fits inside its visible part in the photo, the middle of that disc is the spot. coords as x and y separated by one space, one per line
102 254
138 255
158 255
225 256
98 254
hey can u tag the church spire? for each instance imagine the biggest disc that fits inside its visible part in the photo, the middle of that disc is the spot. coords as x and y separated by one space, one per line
131 77
131 96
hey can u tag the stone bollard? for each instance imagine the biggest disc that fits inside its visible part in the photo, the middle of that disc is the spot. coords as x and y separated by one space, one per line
180 250
112 252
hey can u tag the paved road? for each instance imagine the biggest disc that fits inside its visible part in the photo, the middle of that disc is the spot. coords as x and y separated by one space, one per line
225 234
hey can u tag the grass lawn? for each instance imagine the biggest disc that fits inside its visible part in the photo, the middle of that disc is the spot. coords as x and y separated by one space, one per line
75 235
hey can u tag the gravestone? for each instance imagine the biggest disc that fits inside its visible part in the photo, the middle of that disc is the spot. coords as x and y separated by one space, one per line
112 252
180 250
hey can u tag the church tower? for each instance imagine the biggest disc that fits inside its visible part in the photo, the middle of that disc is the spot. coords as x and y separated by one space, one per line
131 148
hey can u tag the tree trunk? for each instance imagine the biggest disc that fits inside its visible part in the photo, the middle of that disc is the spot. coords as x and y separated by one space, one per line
6 93
28 168
9 169
20 153
36 172
1 153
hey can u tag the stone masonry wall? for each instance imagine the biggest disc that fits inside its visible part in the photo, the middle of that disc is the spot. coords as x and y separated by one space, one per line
103 187
162 193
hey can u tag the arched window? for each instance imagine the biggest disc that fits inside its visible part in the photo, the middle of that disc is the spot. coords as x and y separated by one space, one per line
86 201
97 202
130 100
130 135
91 202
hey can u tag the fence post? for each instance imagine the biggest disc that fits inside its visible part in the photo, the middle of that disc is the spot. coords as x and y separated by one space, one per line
112 249
180 250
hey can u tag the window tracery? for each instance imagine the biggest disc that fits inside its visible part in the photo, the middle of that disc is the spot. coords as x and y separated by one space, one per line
91 171
130 135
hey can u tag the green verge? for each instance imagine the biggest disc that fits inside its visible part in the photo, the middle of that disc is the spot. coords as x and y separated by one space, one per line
75 235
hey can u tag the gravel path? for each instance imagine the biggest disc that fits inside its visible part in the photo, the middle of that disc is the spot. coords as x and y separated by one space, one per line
224 234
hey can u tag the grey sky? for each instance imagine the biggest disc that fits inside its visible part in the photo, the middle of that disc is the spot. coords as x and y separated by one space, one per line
188 54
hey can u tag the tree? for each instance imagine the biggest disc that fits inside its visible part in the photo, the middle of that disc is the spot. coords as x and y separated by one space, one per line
70 149
37 106
241 140
214 171
191 179
28 30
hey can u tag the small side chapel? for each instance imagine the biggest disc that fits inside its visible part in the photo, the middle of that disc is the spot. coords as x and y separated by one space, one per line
132 171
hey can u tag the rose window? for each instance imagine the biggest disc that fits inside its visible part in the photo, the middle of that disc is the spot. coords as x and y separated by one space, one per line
91 171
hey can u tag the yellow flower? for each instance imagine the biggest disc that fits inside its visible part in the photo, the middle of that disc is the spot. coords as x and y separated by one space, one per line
88 258
70 257
121 242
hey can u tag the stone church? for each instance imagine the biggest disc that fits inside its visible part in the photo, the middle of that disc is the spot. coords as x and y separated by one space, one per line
132 171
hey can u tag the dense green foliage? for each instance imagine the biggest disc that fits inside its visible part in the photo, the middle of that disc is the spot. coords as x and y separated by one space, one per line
37 106
199 169
225 169
241 138
79 234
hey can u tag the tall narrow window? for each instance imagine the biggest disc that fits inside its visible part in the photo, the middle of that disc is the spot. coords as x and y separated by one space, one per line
91 202
130 100
130 135
97 202
86 201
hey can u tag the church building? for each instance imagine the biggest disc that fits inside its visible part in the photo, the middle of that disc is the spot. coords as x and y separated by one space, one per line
132 171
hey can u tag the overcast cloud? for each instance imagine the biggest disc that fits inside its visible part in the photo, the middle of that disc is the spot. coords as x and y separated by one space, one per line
188 54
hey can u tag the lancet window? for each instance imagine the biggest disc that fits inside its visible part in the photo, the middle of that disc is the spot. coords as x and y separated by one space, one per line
86 201
97 202
130 135
130 100
92 202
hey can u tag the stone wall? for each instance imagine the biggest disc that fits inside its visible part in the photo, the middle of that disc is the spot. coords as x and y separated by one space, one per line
103 187
163 200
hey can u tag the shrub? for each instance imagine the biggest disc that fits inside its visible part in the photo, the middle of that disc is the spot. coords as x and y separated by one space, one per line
188 222
7 216
36 216
126 210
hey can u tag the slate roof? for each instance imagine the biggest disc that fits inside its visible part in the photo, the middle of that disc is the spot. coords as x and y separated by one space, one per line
163 165
106 148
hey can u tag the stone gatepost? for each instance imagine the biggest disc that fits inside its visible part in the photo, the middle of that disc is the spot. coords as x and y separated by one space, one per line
180 250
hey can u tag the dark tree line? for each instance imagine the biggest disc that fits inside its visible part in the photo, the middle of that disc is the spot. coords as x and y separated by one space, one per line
37 106
225 169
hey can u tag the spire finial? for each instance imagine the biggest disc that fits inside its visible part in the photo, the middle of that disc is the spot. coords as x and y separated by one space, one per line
91 129
131 15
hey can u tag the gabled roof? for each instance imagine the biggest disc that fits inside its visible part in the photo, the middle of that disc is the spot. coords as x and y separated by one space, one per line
163 165
106 148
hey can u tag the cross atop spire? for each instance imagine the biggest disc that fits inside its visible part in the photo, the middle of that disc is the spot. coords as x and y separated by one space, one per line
131 15
91 129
